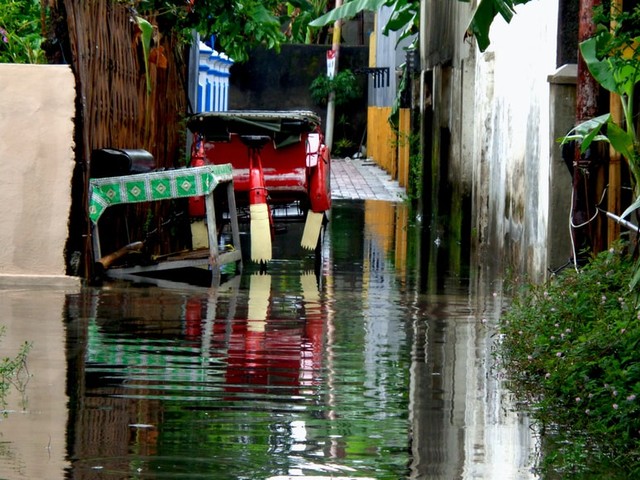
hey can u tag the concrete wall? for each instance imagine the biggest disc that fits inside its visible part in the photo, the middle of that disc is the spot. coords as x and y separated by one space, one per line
37 109
490 140
387 52
562 108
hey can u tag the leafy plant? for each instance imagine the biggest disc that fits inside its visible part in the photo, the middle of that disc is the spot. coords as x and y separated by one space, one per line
20 36
613 58
342 147
12 371
238 26
414 189
485 14
297 17
570 349
405 16
146 32
344 85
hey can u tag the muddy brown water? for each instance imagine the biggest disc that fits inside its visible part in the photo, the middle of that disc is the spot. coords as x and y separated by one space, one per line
358 369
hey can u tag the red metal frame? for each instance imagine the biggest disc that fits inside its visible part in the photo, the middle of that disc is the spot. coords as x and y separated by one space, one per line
294 162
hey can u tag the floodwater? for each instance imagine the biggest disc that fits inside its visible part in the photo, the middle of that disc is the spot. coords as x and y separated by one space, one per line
360 368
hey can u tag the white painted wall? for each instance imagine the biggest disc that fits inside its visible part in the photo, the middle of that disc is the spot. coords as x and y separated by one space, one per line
512 134
496 107
37 107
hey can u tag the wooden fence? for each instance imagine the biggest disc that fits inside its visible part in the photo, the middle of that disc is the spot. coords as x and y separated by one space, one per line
118 108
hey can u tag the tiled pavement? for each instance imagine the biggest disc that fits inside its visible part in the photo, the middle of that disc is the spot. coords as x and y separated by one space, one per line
362 179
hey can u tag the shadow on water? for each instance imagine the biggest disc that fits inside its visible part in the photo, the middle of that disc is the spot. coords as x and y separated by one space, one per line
353 371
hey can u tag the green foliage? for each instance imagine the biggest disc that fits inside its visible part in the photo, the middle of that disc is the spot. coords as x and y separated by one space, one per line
344 85
12 371
297 18
344 144
414 190
146 30
485 14
613 59
414 187
238 25
571 349
405 16
20 36
342 147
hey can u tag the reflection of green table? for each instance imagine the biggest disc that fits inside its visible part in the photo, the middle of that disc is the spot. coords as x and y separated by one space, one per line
166 185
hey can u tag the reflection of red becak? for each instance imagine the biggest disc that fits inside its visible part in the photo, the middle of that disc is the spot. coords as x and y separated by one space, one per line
261 352
193 318
262 356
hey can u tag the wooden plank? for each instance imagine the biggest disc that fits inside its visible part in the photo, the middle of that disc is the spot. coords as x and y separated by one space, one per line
233 219
404 127
212 230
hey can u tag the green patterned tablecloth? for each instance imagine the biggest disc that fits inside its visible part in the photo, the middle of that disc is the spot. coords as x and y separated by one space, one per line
161 185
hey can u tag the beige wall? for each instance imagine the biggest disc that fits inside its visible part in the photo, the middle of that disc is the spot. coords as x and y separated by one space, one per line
37 106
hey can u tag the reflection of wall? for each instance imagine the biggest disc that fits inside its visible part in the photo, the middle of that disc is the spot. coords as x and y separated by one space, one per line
463 419
35 430
388 223
36 147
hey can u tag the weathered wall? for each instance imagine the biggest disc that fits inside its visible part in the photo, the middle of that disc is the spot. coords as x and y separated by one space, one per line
36 148
513 136
489 143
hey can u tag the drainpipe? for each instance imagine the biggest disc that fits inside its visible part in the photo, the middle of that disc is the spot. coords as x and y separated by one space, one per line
331 109
587 90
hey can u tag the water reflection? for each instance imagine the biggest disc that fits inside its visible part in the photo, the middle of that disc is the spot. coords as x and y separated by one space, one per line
349 371
464 424
33 429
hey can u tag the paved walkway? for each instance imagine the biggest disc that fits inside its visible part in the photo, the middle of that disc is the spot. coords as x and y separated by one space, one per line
362 179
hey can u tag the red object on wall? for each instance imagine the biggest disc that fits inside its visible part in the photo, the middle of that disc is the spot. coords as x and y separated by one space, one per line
319 185
196 204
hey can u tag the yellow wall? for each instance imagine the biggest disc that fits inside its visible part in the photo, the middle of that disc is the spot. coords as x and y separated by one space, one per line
383 145
381 139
